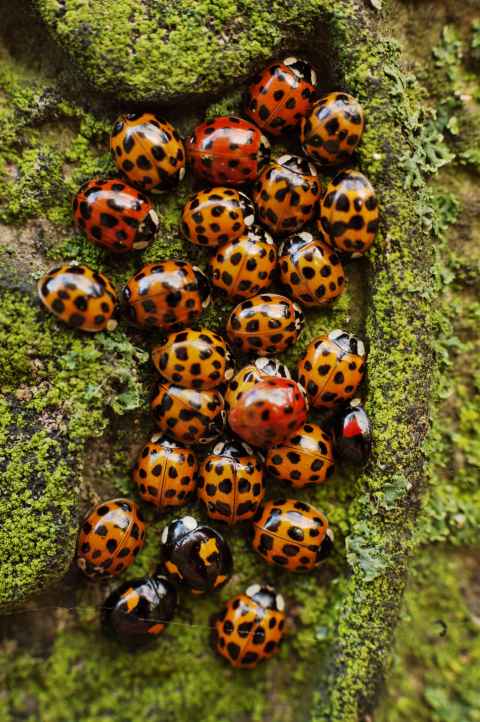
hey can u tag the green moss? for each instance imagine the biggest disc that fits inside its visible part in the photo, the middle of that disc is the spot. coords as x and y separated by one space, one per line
164 43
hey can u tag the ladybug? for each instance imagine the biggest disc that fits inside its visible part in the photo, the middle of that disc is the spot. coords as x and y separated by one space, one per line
353 434
269 412
165 473
286 194
268 323
82 298
332 131
349 213
115 216
332 368
166 295
190 416
110 538
310 270
215 216
244 267
194 359
305 459
250 627
281 95
250 375
291 534
137 611
227 150
230 482
149 151
196 556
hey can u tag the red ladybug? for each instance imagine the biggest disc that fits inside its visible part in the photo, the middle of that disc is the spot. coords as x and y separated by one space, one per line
353 434
269 412
227 150
114 215
281 95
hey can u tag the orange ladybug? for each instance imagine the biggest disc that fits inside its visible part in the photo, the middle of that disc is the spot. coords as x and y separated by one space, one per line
333 129
111 536
215 216
305 459
189 416
82 298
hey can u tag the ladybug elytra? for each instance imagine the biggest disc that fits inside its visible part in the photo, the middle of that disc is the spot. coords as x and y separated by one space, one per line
115 216
227 150
292 534
82 298
230 482
304 459
111 536
281 95
138 610
250 627
332 368
165 473
217 216
189 416
332 130
149 151
195 556
249 375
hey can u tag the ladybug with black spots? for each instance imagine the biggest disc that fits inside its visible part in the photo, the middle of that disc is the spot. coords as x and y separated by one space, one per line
149 151
333 129
139 610
194 359
349 213
244 267
303 460
230 482
167 295
280 96
269 412
332 368
216 216
291 534
80 297
115 216
265 324
250 627
353 434
165 473
188 415
227 150
195 555
111 536
310 270
286 194
249 375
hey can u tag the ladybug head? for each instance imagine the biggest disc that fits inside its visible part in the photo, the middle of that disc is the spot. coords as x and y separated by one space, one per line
326 546
177 529
347 343
164 441
164 590
297 164
266 597
248 209
257 233
233 448
203 285
294 243
302 69
272 367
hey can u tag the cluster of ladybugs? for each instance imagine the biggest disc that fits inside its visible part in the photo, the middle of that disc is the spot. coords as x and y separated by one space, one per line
198 392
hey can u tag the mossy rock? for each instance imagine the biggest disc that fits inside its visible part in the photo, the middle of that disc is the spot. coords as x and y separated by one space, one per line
170 51
343 617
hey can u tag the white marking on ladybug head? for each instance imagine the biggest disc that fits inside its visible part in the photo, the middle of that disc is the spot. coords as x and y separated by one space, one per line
155 438
218 448
229 373
280 601
313 76
181 173
360 347
261 362
164 535
284 159
336 333
154 218
305 236
189 522
140 245
329 533
355 402
252 590
249 220
291 60
312 168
